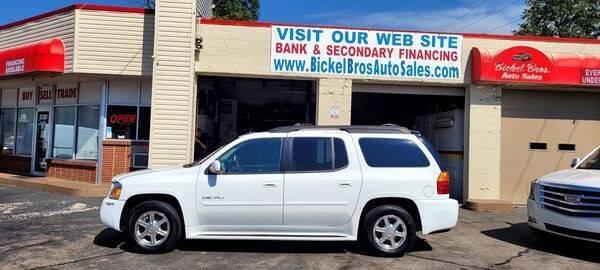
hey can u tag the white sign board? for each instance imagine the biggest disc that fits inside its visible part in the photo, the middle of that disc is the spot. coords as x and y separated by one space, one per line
366 53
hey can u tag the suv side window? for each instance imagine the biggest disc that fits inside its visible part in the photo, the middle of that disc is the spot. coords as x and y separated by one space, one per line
318 154
253 156
383 152
312 154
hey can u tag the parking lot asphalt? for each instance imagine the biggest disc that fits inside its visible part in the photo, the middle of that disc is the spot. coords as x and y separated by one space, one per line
41 230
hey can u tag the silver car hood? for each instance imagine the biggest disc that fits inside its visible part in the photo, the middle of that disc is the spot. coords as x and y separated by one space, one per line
574 177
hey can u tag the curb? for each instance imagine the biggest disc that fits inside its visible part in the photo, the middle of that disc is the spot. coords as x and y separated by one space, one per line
493 206
90 192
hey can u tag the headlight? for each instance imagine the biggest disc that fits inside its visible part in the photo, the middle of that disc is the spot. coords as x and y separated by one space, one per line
115 191
532 189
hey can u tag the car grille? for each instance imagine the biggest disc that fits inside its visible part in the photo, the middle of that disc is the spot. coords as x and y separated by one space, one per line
571 201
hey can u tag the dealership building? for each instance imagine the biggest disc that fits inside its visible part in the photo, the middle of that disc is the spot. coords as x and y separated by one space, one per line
88 92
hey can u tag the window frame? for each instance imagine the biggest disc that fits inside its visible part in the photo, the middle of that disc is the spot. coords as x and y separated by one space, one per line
225 151
289 152
14 126
74 143
76 105
33 129
139 104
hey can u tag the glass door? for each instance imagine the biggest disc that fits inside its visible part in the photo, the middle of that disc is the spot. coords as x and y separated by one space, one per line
41 142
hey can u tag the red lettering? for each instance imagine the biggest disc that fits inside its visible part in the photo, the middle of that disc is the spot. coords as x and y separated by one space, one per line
290 48
123 119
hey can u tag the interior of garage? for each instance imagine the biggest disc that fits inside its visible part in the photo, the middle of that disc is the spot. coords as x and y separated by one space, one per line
229 106
439 117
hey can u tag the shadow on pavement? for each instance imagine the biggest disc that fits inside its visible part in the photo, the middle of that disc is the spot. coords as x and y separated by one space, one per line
113 239
109 238
520 234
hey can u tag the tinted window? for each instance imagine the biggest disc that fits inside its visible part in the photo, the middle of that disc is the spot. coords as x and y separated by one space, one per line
341 158
538 146
121 122
433 152
392 153
312 154
253 156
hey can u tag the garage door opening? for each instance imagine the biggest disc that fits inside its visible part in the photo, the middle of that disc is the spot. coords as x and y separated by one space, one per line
229 107
437 115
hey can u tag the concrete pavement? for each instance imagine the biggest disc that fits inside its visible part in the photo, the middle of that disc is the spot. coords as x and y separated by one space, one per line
42 230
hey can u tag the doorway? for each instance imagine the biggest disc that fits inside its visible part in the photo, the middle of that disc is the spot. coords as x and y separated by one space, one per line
437 113
229 107
42 140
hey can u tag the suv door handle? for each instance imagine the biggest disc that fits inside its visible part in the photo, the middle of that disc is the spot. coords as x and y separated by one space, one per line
269 185
345 184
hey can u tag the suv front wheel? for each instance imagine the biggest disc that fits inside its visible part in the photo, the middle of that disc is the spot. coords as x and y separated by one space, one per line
154 227
388 230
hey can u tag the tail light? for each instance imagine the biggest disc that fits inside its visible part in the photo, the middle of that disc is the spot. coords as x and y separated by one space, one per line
443 183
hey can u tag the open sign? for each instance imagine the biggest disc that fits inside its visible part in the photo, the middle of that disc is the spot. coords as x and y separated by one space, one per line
122 119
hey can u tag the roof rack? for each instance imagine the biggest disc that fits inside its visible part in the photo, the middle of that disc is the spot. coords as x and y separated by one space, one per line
350 129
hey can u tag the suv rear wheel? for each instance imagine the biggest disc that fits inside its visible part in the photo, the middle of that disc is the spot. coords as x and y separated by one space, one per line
388 230
154 227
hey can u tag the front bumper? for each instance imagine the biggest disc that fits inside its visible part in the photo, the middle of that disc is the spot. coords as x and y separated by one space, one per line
438 215
110 213
584 228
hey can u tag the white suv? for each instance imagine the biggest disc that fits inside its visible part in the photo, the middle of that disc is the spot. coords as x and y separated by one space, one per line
376 184
567 202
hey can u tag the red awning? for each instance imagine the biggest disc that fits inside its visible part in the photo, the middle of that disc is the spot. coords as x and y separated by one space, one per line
527 65
43 56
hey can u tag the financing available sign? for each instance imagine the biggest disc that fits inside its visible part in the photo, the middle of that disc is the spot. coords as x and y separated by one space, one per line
366 53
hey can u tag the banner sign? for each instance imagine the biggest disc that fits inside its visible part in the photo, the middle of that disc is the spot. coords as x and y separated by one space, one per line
590 76
528 65
523 64
366 53
42 56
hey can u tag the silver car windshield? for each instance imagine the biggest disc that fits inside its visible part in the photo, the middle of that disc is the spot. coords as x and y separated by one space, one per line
592 162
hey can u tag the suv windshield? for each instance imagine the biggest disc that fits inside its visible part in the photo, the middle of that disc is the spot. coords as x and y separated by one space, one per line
592 162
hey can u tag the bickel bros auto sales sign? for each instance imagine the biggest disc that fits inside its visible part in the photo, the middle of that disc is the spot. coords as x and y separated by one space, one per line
365 53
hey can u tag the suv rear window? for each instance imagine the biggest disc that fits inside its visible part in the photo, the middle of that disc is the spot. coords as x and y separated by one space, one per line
383 152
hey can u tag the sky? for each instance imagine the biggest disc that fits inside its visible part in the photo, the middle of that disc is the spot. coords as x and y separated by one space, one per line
471 16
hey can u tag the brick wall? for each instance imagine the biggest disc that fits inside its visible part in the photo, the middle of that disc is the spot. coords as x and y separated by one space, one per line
117 157
482 141
334 101
15 164
73 170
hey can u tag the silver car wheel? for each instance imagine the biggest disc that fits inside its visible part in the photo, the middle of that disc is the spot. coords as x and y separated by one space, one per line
389 232
151 229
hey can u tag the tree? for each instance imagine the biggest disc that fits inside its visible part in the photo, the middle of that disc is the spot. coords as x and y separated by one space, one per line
243 10
561 18
144 3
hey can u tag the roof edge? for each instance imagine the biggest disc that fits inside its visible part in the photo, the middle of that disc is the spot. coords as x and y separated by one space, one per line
70 8
470 35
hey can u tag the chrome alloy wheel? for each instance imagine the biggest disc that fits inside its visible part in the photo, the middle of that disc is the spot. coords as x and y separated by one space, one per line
389 232
151 229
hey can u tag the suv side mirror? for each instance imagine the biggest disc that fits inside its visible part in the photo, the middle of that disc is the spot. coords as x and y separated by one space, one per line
574 162
215 167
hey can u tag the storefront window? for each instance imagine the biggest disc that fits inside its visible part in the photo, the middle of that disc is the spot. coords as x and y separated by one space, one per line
87 132
64 132
144 126
24 131
7 130
121 122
